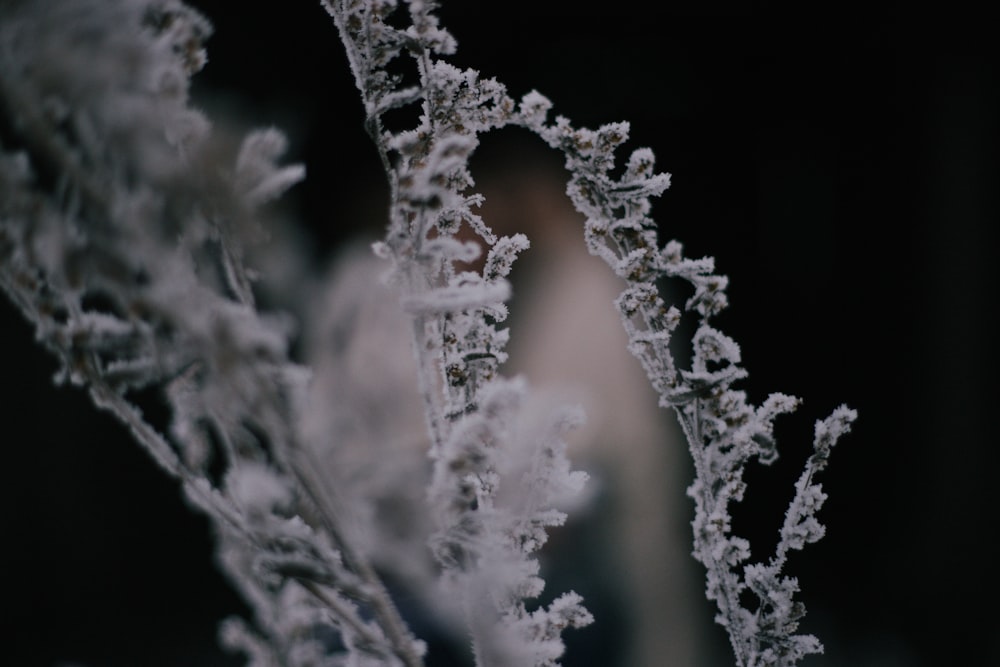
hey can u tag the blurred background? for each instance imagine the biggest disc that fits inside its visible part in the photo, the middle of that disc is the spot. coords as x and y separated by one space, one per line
841 170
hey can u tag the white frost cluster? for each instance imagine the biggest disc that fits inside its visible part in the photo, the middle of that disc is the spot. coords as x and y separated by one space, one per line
724 432
429 177
123 238
495 486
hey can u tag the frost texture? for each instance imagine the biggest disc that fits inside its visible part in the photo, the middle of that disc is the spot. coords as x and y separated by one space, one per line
123 240
428 175
500 471
723 430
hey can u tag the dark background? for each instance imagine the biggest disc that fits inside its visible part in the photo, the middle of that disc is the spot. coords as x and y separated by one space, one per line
842 171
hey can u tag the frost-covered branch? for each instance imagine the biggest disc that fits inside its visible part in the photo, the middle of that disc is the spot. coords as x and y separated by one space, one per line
491 509
427 169
121 238
723 430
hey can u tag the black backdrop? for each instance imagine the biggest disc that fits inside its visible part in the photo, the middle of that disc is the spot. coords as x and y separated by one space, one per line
841 169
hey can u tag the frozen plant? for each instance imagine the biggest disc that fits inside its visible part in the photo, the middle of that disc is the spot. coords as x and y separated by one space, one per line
123 226
427 170
123 239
